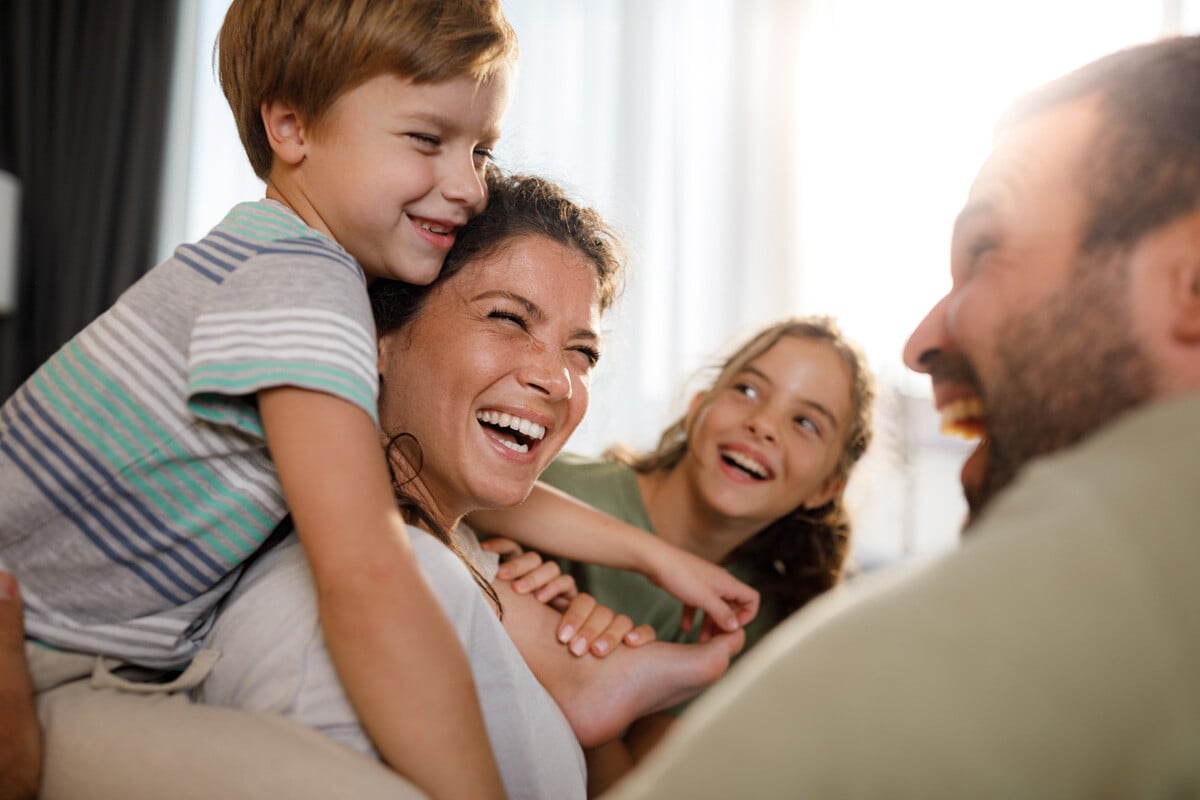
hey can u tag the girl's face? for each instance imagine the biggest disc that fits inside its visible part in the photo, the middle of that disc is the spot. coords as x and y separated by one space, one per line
770 438
493 375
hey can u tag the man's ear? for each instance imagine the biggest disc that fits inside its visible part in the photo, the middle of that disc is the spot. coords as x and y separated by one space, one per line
1186 301
1185 288
830 489
285 131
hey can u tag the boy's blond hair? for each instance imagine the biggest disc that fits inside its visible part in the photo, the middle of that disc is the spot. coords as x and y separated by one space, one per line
308 52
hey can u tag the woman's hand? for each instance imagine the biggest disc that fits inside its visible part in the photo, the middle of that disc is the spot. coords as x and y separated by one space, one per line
588 626
529 573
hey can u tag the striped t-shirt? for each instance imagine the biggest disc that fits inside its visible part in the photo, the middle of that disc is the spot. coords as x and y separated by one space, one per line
134 477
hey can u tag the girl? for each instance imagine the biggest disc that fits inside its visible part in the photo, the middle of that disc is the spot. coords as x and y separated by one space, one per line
751 477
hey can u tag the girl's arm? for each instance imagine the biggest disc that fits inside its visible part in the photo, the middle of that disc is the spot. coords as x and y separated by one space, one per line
554 522
395 651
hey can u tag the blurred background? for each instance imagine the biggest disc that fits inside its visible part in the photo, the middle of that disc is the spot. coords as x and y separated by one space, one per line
763 158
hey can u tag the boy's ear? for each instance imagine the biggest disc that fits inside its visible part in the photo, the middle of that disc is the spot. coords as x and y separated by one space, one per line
830 489
285 131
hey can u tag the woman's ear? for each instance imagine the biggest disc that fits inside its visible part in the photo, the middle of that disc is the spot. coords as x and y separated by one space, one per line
285 131
830 489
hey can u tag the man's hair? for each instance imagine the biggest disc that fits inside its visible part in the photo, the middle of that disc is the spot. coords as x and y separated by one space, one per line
309 52
1143 166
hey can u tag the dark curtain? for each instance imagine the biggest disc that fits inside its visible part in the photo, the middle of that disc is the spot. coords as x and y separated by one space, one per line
83 111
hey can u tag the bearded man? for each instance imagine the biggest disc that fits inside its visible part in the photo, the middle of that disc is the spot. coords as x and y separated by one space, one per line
1056 653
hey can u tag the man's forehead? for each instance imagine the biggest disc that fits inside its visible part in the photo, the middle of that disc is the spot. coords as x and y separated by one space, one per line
1044 153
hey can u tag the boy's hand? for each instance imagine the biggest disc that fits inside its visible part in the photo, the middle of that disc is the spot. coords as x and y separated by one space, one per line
726 601
529 573
20 735
588 626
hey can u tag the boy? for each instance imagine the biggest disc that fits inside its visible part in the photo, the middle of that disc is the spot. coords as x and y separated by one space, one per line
147 460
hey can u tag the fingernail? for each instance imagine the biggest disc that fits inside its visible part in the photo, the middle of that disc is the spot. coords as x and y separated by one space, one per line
579 646
502 572
601 647
8 587
566 633
519 587
632 637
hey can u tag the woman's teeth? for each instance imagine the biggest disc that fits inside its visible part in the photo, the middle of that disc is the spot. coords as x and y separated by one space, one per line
525 428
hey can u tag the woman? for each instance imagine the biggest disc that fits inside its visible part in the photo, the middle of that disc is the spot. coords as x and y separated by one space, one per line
495 359
751 477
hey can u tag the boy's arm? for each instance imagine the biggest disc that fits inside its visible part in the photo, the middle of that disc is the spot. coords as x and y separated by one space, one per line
397 656
554 522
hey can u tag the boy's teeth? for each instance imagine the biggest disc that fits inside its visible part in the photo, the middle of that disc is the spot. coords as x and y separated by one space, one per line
522 426
746 463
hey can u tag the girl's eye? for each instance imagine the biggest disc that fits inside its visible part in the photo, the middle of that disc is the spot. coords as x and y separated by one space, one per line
807 424
483 155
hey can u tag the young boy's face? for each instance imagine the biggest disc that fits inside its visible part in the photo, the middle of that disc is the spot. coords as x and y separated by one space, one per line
395 168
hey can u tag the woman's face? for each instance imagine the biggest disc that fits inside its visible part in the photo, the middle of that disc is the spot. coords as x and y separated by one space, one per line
771 436
493 375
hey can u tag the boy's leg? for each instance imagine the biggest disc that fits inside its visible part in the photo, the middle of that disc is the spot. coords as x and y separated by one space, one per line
103 743
20 735
601 696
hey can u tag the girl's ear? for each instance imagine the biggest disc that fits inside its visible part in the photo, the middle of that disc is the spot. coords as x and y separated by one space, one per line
830 489
285 131
693 411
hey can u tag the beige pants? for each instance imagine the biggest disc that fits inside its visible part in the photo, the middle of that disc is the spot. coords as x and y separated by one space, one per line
106 737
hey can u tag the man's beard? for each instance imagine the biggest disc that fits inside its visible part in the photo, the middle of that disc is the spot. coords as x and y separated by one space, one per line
1067 368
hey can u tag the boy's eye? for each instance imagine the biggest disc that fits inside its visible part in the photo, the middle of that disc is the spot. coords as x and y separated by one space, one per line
428 140
746 389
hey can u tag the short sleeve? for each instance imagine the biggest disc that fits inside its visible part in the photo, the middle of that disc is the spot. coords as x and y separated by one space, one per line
294 314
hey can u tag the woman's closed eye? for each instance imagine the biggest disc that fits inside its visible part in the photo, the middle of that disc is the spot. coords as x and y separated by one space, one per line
591 354
514 317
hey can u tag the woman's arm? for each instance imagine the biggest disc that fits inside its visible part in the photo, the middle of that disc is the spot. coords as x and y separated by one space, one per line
554 522
395 652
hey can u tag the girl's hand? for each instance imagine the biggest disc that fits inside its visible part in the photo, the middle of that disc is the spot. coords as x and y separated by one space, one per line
529 573
588 626
727 602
